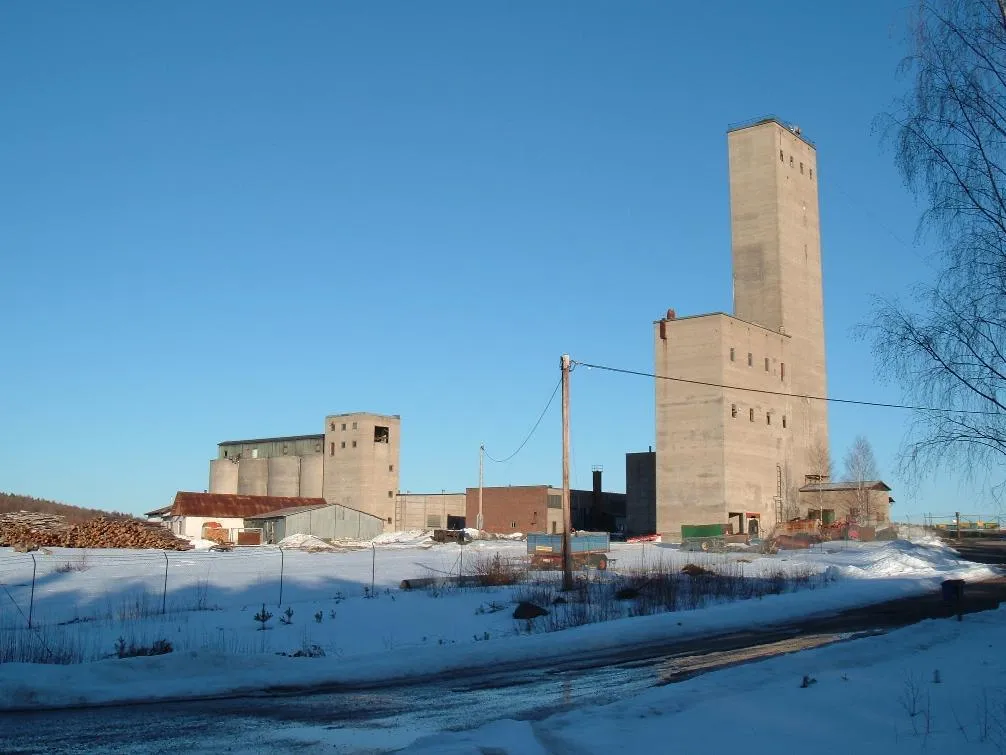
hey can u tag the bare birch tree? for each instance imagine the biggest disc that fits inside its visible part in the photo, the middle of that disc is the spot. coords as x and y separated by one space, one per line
861 468
947 349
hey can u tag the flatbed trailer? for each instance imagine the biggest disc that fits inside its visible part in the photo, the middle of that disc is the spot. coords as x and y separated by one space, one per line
586 549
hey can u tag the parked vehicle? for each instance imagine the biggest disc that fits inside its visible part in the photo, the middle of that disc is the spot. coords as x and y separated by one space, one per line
709 537
586 549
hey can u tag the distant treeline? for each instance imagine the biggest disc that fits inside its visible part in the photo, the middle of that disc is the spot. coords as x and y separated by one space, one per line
13 502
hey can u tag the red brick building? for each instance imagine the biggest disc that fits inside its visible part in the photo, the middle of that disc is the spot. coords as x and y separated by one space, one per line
517 508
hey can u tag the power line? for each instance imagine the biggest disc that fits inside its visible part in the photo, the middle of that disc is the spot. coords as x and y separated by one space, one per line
878 404
535 427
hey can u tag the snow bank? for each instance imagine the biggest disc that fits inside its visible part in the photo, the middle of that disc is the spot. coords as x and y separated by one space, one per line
406 537
305 542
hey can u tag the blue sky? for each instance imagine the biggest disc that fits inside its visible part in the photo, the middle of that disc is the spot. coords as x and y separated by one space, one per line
224 220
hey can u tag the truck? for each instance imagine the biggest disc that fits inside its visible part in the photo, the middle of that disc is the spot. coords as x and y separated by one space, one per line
586 549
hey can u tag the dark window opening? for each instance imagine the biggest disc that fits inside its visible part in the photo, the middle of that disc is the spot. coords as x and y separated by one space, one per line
331 451
354 425
342 445
343 426
791 161
750 359
381 434
354 444
391 467
225 454
389 520
751 415
332 426
801 168
390 494
781 158
766 364
811 172
782 370
513 524
768 418
733 410
731 353
784 421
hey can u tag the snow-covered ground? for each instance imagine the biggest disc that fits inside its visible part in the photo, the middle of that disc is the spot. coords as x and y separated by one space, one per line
348 604
935 687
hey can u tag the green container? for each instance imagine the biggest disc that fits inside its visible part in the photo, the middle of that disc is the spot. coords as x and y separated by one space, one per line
703 530
828 516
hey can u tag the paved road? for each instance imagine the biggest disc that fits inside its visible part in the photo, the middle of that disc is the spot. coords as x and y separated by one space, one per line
382 718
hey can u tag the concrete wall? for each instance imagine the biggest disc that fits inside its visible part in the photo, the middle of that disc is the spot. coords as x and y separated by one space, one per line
417 511
511 509
689 460
223 476
283 475
312 476
361 471
253 477
641 493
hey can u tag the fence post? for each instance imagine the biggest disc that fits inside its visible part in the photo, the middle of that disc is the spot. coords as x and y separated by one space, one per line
281 567
461 561
31 603
164 595
373 567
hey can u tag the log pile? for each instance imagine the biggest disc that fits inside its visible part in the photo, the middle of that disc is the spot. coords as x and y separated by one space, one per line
24 529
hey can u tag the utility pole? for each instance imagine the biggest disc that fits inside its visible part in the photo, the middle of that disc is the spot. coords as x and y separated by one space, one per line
567 566
479 523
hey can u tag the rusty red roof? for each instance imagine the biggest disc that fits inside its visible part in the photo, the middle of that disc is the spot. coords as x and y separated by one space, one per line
228 504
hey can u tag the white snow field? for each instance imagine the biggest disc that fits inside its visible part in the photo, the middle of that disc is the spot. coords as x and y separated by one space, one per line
86 602
935 687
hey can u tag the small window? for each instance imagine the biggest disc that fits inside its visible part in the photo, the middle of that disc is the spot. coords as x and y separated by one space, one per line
750 359
782 370
751 415
343 426
354 425
341 445
331 426
784 422
791 161
354 444
225 454
381 434
254 453
389 520
390 494
768 418
811 172
731 353
513 524
766 364
285 449
781 158
391 467
733 410
331 450
801 168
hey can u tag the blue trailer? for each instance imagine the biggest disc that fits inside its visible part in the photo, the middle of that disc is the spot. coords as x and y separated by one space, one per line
586 549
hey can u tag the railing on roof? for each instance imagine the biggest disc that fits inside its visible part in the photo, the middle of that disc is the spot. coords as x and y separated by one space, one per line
791 127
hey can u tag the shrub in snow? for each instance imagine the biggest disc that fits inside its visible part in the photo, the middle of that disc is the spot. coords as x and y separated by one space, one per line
262 617
159 647
287 617
318 617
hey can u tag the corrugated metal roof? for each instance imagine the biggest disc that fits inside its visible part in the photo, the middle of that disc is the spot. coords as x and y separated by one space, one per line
162 510
271 440
280 513
825 486
227 504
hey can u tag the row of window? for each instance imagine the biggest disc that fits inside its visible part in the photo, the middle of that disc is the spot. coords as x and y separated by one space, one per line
751 415
331 426
768 363
782 159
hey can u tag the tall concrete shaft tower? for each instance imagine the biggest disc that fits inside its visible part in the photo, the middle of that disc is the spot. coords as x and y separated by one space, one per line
730 454
776 237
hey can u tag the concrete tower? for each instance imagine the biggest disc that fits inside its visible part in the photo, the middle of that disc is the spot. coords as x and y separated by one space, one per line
725 453
361 462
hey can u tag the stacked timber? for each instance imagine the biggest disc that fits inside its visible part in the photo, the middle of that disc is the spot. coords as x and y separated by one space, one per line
26 531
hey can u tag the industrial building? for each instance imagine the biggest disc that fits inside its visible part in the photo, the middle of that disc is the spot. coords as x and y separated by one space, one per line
354 463
538 508
868 502
641 493
327 521
194 514
729 453
421 511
